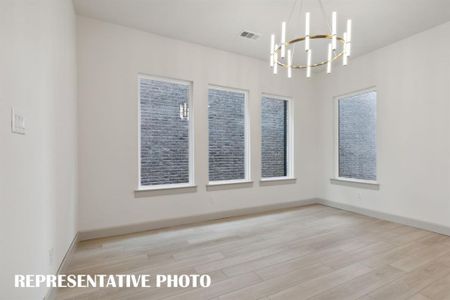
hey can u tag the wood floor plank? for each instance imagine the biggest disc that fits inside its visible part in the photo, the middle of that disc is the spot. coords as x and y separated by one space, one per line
411 283
315 286
312 252
439 290
220 288
419 297
361 285
278 283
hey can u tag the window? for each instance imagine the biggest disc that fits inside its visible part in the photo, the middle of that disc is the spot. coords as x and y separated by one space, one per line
165 143
228 147
275 138
357 158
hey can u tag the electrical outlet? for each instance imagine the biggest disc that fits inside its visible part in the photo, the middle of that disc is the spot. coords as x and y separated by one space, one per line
17 122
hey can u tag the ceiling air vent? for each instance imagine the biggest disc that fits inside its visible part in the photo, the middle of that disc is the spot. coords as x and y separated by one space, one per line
250 35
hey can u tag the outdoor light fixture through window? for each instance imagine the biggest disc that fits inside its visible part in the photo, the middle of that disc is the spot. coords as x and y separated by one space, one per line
184 111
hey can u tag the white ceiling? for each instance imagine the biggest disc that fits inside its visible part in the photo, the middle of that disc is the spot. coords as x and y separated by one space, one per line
218 23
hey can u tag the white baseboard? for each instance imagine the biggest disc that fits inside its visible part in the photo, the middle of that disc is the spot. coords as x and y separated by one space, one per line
51 293
133 228
388 217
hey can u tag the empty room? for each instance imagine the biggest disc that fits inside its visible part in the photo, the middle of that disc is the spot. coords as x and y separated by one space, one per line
224 149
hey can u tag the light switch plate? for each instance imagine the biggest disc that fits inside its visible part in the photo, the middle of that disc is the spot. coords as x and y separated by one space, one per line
17 122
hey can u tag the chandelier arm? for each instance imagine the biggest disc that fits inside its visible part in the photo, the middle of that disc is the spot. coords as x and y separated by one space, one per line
301 39
313 65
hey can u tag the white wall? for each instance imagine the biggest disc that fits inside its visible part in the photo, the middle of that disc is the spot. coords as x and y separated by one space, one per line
412 80
110 57
38 171
38 186
413 126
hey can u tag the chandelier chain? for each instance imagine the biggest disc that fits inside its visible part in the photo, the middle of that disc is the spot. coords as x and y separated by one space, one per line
300 14
292 12
322 8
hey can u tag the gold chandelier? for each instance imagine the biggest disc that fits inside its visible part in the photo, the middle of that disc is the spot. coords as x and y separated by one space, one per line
282 54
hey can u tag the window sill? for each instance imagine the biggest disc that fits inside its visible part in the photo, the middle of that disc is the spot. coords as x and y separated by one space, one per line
164 187
276 181
271 179
228 184
369 184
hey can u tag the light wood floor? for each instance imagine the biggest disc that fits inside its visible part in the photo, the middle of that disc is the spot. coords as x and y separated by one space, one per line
313 252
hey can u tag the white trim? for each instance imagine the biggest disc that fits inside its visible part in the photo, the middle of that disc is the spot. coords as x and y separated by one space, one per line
365 184
63 266
165 79
268 179
159 187
248 163
227 88
227 182
195 219
185 220
140 227
190 85
356 180
372 88
291 141
276 96
247 153
290 172
336 136
425 225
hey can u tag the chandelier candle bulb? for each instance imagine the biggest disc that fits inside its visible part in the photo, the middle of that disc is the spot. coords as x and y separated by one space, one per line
307 32
283 39
349 37
289 61
349 30
275 58
330 53
272 48
334 29
308 67
345 56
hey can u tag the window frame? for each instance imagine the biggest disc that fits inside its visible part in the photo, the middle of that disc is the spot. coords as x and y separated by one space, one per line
247 156
290 170
191 182
336 176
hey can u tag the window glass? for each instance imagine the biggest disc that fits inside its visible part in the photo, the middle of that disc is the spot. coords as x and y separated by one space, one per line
357 136
274 131
227 134
164 132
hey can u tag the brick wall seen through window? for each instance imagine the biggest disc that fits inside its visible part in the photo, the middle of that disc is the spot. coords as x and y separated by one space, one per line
357 136
164 152
274 158
226 125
